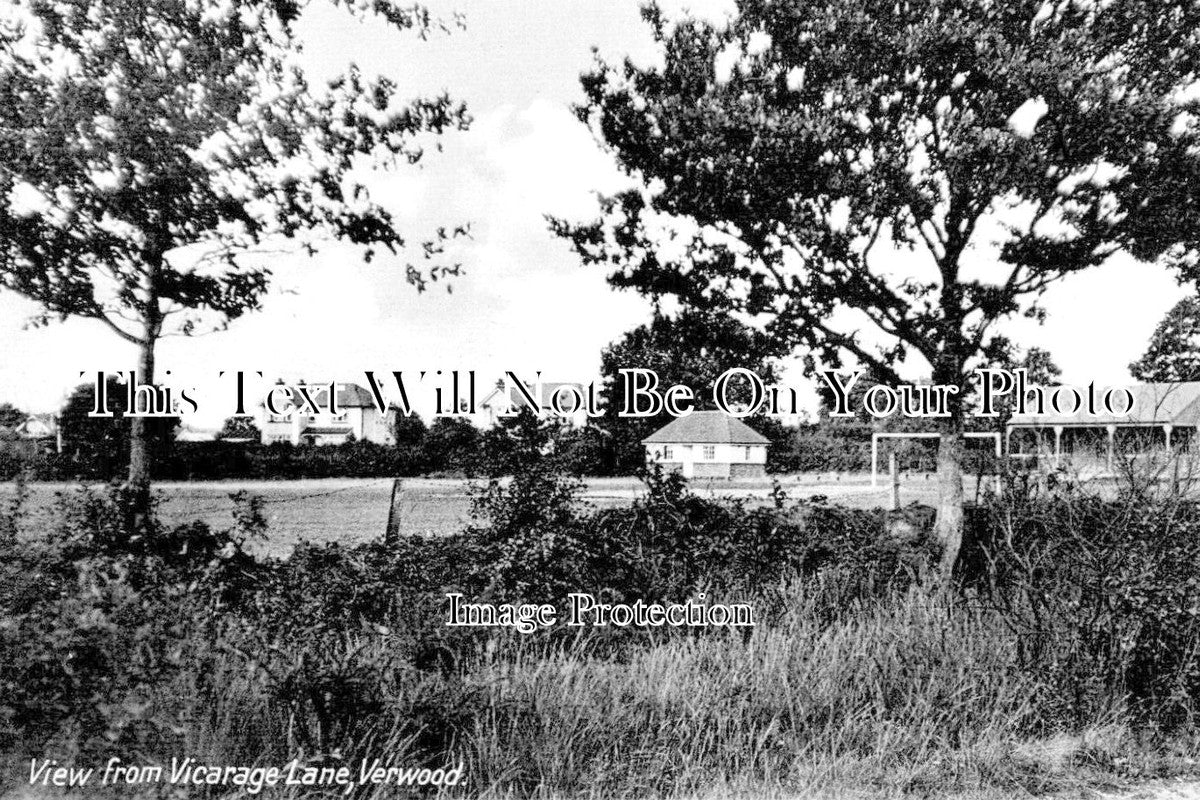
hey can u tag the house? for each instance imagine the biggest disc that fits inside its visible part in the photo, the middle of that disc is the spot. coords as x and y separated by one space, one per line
41 430
358 419
37 426
1164 416
709 444
497 404
187 433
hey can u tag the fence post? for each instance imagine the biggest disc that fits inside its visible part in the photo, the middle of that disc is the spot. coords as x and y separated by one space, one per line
392 534
894 470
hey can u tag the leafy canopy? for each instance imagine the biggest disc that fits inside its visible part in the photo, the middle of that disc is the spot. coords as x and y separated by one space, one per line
147 145
1173 353
932 165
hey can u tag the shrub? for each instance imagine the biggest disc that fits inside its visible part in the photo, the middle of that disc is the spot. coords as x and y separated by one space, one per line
1105 592
1072 613
99 613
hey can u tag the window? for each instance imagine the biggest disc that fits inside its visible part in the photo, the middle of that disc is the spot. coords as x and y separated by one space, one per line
747 452
710 452
667 454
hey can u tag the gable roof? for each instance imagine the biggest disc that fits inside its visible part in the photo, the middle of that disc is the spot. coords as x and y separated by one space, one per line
517 400
349 395
706 427
29 427
1153 404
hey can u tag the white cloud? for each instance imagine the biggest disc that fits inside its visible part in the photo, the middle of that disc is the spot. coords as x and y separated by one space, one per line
839 215
1025 119
1187 94
26 200
717 13
1182 123
795 79
758 43
726 61
1100 174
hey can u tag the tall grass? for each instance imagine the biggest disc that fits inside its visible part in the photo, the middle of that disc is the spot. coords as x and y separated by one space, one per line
911 694
893 695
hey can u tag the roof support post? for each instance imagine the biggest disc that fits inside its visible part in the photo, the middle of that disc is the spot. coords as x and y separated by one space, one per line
1112 435
874 462
1058 431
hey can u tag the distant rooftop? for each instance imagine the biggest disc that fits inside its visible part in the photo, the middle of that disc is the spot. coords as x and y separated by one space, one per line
517 401
349 395
706 427
1153 404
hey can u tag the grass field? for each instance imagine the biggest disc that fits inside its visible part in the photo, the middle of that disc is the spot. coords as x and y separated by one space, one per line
355 510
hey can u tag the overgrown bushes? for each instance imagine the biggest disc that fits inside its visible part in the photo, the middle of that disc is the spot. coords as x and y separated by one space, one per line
1106 589
1072 614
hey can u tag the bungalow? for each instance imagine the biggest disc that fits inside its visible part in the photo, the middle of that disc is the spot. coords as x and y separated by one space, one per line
709 444
1164 416
357 418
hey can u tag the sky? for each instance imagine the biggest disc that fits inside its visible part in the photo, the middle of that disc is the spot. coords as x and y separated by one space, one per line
524 302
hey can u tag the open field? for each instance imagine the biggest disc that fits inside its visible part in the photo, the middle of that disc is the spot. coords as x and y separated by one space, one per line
354 510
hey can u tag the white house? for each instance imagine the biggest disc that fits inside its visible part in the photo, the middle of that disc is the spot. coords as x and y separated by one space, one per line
357 419
42 430
37 426
496 403
709 444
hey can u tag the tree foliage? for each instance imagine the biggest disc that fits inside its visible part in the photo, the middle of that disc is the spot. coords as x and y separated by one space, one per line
453 443
103 442
11 416
146 148
239 428
787 158
1173 353
691 349
884 181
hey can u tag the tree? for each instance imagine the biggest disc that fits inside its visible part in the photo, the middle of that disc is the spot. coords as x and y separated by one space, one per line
239 428
148 148
585 450
11 416
984 149
409 430
518 442
1173 354
453 443
409 435
101 444
692 349
1040 367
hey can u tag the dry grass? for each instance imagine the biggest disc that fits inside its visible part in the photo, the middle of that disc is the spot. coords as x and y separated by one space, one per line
914 697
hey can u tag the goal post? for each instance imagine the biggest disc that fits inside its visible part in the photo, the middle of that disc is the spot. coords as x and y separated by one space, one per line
875 437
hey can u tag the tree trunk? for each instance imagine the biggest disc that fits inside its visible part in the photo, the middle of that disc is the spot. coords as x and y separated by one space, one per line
140 443
949 526
137 510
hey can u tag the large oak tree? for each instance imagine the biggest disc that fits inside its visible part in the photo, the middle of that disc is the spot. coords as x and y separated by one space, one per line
886 180
147 146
